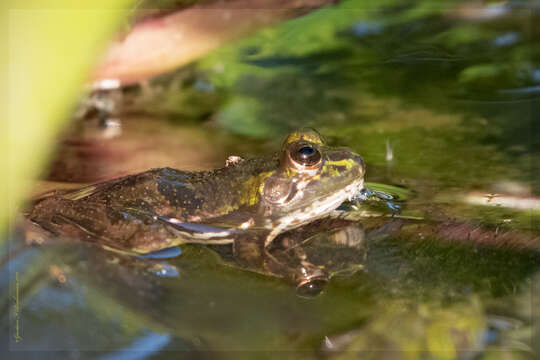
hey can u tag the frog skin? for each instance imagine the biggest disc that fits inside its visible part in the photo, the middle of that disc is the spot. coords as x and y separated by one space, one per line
247 203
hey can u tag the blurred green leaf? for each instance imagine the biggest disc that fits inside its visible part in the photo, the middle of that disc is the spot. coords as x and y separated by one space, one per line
48 49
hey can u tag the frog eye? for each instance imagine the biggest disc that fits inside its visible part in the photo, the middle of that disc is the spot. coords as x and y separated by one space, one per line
305 156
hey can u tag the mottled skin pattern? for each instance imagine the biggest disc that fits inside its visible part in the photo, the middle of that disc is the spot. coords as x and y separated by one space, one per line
249 202
119 213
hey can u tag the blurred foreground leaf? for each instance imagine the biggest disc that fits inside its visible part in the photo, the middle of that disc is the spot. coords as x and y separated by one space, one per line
48 48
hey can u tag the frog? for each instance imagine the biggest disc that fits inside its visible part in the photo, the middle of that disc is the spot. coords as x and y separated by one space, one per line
248 203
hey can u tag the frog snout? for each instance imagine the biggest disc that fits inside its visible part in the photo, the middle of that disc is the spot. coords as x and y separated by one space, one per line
357 160
344 154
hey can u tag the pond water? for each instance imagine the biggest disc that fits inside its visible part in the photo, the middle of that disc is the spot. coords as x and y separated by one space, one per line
439 99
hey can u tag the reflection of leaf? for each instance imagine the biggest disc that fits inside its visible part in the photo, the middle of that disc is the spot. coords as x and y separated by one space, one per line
49 54
399 193
480 71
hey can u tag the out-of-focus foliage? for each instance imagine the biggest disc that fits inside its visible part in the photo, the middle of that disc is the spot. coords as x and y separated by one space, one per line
432 331
422 76
47 50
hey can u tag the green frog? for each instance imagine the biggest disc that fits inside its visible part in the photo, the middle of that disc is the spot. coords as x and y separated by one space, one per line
247 203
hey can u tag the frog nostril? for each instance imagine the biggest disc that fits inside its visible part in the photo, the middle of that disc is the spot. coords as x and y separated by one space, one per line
357 159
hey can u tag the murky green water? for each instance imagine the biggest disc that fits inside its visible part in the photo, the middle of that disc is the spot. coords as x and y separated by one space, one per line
438 98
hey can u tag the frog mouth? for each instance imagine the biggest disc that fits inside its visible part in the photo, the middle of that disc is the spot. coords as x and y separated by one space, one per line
318 208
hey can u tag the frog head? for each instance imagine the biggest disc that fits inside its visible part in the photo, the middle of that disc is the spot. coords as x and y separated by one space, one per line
312 179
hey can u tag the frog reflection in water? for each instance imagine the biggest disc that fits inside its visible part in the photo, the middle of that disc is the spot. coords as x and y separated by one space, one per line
247 203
